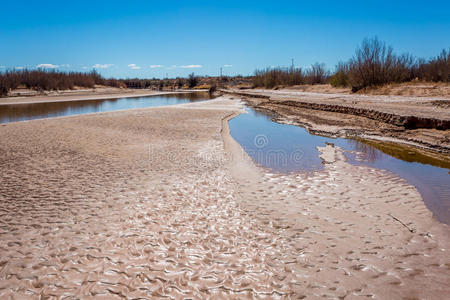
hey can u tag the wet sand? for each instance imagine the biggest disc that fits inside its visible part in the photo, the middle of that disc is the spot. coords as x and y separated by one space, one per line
162 202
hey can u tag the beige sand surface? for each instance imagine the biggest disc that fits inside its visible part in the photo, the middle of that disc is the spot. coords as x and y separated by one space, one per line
415 88
162 202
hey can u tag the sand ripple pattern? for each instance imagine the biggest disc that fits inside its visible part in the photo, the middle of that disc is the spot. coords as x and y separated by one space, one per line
79 219
87 210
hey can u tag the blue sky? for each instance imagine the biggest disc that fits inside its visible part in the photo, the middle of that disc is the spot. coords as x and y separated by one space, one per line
152 38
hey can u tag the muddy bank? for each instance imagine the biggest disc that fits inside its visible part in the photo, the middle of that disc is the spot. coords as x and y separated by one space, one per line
415 89
162 202
420 122
406 121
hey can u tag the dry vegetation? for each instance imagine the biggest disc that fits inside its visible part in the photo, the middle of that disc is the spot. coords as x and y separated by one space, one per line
42 80
273 77
374 64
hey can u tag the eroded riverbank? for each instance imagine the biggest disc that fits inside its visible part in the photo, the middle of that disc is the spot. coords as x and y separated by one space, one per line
417 121
147 203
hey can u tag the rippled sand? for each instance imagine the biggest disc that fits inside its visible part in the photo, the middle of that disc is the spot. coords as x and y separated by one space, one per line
162 202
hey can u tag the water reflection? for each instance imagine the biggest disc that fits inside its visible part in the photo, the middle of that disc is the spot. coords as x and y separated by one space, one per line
21 112
401 152
289 148
279 147
370 154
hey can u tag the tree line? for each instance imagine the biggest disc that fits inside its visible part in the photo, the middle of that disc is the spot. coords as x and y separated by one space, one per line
44 80
373 64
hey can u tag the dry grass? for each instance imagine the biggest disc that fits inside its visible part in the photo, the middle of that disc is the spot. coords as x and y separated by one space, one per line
320 88
413 88
416 88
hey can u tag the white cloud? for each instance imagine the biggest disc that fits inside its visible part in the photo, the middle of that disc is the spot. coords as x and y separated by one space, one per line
65 65
2 67
191 66
85 68
102 66
134 66
227 66
156 66
19 68
47 66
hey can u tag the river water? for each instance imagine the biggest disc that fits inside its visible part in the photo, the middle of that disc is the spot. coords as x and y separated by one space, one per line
22 112
288 148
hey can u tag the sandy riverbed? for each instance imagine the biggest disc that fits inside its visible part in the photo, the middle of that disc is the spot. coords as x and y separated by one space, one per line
163 202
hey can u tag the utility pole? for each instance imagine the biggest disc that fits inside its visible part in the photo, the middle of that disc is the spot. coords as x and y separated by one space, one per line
292 65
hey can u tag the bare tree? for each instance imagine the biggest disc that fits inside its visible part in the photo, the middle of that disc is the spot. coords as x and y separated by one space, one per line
317 74
371 64
272 77
192 80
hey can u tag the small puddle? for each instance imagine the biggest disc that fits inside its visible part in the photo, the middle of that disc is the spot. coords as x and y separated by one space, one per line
22 112
289 148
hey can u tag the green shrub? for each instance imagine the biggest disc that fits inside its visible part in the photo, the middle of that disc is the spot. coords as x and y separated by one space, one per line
340 76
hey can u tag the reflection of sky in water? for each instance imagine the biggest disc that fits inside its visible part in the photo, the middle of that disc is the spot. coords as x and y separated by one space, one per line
21 112
288 148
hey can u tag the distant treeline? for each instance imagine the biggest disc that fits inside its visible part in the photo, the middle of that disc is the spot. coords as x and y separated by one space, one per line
42 80
52 80
373 64
272 77
177 83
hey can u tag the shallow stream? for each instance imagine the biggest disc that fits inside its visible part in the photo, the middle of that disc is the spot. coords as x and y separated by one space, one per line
288 148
